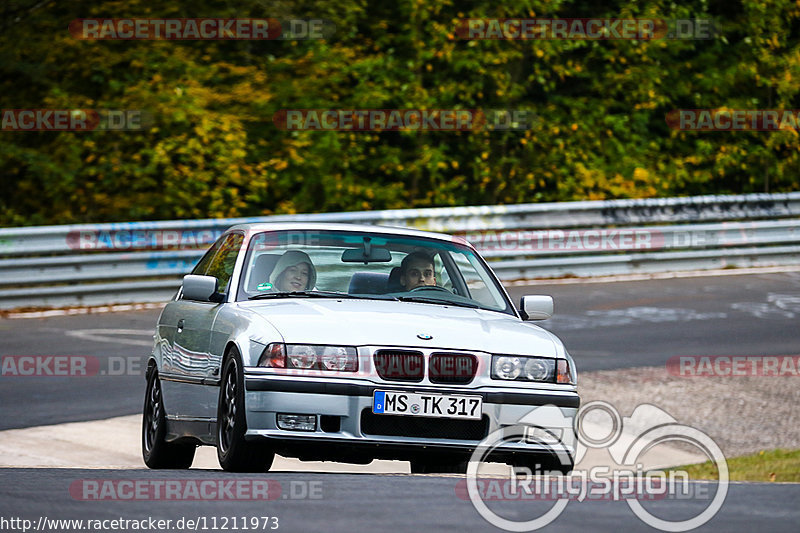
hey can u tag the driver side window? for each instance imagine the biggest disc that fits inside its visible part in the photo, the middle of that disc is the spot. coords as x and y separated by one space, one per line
202 266
221 266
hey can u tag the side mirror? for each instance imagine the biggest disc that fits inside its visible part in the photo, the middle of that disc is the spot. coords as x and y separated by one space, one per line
536 307
200 288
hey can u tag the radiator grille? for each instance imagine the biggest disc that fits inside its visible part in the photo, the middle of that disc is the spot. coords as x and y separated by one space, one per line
452 368
400 365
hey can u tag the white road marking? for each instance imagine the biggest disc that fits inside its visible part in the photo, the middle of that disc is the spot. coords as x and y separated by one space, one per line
115 443
85 310
112 335
777 306
631 315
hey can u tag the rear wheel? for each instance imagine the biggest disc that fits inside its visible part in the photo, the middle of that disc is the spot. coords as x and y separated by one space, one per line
234 453
157 452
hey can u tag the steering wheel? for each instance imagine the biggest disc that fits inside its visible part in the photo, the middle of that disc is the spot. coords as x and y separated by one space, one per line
433 287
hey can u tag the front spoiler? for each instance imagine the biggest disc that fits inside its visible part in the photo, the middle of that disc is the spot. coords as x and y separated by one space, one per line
534 397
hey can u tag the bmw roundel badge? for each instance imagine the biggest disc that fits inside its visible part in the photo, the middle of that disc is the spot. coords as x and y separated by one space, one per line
425 336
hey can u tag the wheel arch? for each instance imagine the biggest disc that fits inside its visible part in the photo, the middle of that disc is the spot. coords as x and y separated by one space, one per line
150 367
231 347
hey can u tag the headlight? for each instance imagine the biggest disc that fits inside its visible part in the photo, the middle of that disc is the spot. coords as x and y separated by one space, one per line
537 369
518 367
506 367
301 356
338 358
310 357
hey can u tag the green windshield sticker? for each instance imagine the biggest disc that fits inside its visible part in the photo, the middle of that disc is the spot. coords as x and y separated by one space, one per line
264 286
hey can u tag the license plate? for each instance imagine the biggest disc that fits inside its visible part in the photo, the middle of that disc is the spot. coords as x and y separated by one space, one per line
430 405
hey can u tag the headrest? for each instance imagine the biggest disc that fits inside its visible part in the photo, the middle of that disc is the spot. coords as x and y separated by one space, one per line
368 283
393 285
261 270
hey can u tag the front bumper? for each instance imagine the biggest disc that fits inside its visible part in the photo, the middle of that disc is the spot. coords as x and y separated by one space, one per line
346 426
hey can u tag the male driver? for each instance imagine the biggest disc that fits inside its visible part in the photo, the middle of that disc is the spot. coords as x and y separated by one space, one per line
416 270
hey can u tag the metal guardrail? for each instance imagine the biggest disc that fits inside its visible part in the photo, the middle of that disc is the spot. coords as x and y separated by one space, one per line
98 264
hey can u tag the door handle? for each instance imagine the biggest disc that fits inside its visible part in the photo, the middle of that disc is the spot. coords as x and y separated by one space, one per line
180 325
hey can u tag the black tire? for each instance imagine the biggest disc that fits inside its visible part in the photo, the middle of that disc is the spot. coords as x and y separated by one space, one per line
156 452
233 452
433 465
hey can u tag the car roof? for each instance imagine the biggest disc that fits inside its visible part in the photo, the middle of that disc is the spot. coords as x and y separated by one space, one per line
255 227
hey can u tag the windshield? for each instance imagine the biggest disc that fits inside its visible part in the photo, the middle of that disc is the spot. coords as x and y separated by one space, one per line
308 264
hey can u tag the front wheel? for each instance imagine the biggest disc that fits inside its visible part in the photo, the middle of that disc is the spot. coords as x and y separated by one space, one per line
233 452
157 452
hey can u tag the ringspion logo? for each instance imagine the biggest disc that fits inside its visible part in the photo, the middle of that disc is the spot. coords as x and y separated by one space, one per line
598 484
562 441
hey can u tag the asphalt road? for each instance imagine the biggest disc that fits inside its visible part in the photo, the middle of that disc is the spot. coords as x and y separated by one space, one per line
374 502
604 326
643 323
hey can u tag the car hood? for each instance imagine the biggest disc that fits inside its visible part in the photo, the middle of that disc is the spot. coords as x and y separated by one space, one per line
389 323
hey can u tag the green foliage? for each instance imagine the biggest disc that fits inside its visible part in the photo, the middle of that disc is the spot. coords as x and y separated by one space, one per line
779 465
212 149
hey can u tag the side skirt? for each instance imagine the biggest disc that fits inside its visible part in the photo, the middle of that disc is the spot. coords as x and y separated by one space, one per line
201 431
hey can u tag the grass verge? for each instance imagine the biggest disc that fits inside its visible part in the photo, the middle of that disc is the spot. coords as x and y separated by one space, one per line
768 465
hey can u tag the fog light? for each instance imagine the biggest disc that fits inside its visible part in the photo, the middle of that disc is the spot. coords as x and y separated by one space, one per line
537 435
297 422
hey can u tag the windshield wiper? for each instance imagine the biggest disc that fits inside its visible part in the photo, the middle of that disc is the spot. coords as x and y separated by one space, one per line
300 294
424 300
317 294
